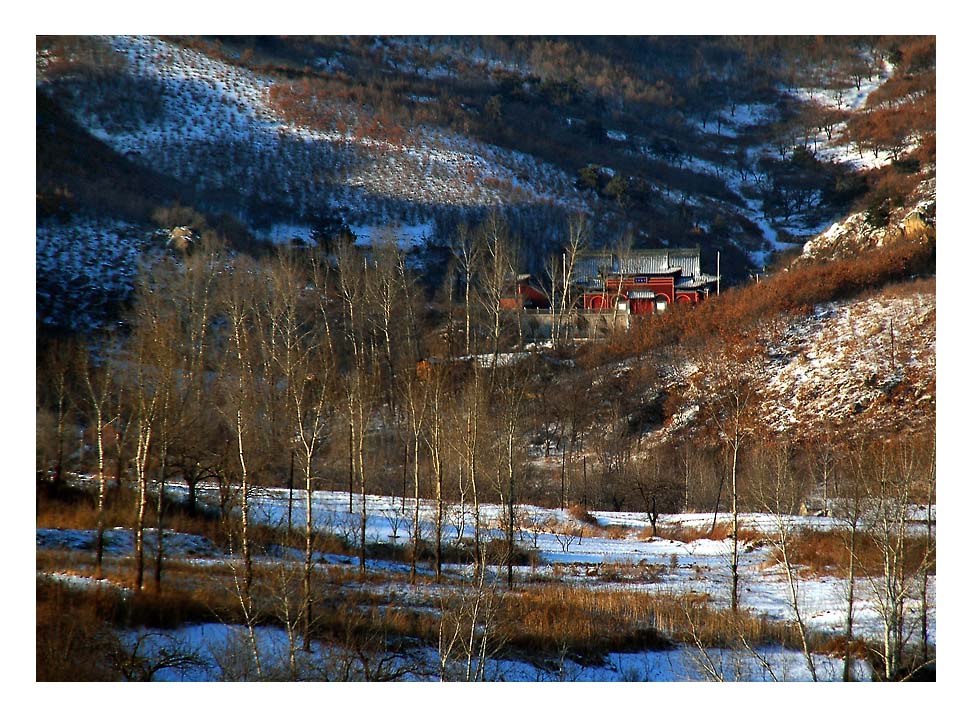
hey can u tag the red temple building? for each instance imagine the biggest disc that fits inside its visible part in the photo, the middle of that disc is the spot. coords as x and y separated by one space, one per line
522 293
641 281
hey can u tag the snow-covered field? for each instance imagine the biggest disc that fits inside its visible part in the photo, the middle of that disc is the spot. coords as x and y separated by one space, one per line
608 555
224 651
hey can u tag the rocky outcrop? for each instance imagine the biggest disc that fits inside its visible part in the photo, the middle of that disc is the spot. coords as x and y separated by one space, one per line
914 220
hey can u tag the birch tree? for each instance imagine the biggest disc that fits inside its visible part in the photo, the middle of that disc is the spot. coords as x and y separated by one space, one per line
731 375
97 380
296 347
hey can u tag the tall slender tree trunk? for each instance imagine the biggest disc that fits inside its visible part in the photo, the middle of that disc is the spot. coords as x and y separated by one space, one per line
925 572
159 523
794 599
510 544
848 653
439 519
99 547
735 527
415 534
244 509
472 432
718 497
308 556
140 536
144 442
362 477
350 456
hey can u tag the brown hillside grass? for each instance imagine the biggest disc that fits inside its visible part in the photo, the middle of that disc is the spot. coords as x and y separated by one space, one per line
794 291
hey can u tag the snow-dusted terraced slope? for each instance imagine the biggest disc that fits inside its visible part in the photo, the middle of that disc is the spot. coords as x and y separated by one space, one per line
84 267
861 357
218 130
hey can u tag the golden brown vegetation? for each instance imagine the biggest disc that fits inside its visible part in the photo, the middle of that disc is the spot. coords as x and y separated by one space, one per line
580 514
690 533
827 552
794 291
553 619
73 640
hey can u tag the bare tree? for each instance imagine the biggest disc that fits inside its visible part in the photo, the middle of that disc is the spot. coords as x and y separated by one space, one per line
467 251
655 485
98 384
559 271
148 390
508 402
848 510
434 439
54 389
358 391
296 346
498 271
243 380
780 494
731 376
897 479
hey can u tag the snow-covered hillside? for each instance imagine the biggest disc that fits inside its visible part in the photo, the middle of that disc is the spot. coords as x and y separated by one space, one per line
218 130
869 363
221 128
83 268
735 143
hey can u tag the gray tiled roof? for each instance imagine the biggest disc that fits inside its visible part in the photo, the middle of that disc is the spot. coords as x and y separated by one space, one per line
591 267
645 264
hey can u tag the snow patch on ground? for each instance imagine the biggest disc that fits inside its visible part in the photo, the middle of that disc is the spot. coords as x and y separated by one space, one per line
226 652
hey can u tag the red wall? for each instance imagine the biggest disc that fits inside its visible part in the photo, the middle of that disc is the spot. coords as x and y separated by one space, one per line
642 307
661 286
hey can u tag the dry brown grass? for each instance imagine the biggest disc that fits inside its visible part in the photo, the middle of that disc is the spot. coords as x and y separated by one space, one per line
76 639
580 514
556 619
74 642
615 531
691 533
836 647
585 527
571 529
552 619
828 552
72 508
